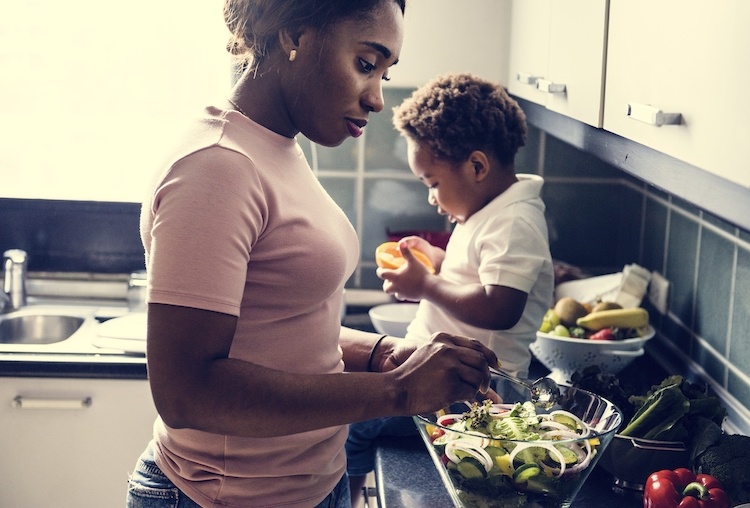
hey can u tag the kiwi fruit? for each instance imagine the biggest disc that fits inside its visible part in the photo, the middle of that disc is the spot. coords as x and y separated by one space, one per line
569 310
606 306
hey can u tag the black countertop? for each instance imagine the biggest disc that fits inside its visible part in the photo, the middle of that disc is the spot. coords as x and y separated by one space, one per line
73 366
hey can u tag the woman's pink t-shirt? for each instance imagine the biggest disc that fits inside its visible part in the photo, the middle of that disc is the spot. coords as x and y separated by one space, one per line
239 224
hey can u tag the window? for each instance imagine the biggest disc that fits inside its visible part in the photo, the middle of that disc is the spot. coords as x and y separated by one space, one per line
94 90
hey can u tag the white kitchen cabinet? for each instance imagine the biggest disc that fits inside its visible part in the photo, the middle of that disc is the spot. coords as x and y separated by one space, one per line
687 58
71 443
557 53
441 37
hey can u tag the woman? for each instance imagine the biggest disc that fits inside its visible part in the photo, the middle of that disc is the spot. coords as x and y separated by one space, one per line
252 375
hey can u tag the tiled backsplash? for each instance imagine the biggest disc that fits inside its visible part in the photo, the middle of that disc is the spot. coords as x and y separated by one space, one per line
706 260
600 219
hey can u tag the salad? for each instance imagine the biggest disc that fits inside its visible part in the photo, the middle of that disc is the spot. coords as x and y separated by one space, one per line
507 455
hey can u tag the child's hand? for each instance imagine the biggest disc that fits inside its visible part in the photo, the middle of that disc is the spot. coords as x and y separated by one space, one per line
435 254
408 281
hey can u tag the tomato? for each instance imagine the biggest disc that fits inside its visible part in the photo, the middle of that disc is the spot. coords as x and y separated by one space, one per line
436 434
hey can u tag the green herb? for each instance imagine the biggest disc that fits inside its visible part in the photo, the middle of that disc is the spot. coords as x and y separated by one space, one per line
669 411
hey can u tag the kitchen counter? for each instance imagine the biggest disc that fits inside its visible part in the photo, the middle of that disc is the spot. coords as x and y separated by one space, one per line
73 366
406 477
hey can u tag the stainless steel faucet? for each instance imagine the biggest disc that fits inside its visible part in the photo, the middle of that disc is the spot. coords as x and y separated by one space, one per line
14 284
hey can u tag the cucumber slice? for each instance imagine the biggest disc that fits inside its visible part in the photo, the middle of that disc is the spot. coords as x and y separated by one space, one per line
565 420
471 468
526 472
569 456
495 451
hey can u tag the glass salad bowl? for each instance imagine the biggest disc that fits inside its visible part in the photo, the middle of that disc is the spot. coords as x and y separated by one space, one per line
514 454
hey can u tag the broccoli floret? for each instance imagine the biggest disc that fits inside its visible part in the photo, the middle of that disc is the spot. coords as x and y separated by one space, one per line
727 461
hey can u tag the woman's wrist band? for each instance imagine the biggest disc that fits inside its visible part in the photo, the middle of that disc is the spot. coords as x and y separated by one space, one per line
372 352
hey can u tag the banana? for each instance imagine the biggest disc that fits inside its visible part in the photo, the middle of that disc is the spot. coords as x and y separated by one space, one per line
620 318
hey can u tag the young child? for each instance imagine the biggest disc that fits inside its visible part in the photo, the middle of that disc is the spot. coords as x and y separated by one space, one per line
495 280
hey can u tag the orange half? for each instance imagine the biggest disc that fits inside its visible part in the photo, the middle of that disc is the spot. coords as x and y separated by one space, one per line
388 256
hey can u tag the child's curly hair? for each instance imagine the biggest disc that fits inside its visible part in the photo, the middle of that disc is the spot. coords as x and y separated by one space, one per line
456 114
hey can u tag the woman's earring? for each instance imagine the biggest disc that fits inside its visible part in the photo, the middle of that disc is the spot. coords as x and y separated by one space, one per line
292 55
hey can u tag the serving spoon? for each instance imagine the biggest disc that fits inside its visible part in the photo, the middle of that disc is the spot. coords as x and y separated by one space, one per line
545 391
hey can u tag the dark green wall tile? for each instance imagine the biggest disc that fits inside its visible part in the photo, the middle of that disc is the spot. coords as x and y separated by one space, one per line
681 255
712 299
654 236
739 388
562 160
659 193
713 366
630 211
739 342
719 223
583 221
685 205
678 335
527 158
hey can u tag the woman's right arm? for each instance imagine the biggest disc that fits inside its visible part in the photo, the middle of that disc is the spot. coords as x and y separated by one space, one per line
196 385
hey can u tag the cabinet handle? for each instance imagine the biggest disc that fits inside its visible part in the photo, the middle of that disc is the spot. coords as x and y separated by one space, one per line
547 86
526 78
26 403
652 115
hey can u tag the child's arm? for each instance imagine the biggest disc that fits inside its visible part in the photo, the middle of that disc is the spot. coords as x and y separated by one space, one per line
489 307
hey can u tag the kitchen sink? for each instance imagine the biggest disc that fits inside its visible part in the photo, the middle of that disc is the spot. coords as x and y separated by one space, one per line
37 328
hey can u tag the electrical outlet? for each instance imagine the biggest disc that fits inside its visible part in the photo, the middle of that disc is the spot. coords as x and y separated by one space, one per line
658 292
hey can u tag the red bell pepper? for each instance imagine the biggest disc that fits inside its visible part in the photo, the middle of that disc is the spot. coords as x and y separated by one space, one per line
682 488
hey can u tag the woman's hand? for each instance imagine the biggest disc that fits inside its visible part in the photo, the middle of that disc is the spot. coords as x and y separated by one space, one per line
446 369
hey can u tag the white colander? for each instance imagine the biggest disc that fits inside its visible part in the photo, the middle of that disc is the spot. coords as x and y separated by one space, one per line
565 355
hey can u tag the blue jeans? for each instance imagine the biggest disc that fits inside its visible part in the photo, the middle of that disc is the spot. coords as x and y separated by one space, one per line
360 449
150 488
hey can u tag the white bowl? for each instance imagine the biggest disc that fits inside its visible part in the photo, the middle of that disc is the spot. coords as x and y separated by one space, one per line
565 355
393 318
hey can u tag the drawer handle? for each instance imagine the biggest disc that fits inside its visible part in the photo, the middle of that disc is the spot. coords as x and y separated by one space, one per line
547 86
526 78
652 115
26 403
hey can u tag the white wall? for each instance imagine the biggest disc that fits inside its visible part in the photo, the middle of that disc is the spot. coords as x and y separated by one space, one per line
444 36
